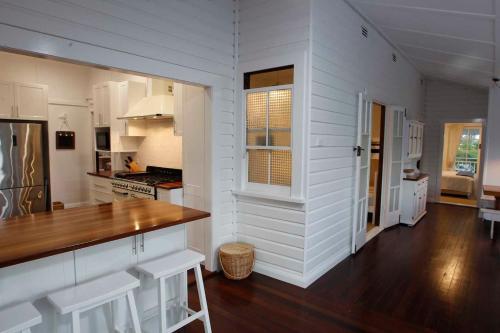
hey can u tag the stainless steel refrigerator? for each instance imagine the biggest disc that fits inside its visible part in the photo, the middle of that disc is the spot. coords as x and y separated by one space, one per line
23 171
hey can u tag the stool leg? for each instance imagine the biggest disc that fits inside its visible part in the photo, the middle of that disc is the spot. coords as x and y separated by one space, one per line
492 229
76 321
162 295
203 298
133 311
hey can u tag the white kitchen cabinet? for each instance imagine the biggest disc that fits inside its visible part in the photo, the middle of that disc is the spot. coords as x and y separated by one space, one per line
31 101
178 105
103 93
414 139
26 101
414 200
129 94
7 100
174 196
100 190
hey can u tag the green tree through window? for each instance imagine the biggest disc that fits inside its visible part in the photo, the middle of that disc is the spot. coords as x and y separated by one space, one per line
468 150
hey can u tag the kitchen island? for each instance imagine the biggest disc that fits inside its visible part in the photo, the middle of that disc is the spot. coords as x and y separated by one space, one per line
44 252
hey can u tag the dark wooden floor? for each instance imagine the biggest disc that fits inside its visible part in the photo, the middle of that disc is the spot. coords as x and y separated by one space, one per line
443 275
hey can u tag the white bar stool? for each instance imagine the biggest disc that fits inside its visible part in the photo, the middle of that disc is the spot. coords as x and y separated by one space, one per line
92 294
19 318
169 266
491 215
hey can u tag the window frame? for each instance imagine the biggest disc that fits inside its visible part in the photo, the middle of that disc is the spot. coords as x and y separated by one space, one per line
259 187
295 194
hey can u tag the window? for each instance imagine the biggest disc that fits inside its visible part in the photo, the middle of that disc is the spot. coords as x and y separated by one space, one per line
468 150
268 104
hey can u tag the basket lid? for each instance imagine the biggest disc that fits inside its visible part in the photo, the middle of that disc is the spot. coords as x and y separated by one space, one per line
236 248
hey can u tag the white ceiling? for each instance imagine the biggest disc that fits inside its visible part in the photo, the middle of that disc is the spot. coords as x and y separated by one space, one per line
457 40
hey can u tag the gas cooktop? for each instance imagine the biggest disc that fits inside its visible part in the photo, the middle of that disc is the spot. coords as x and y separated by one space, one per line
152 176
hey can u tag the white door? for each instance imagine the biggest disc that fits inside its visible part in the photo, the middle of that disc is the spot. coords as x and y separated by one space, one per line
362 152
394 128
193 161
31 101
6 100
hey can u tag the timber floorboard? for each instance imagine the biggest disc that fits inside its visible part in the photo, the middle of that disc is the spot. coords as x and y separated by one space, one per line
443 275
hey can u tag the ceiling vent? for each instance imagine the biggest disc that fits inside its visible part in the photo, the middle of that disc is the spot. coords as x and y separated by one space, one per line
394 57
364 31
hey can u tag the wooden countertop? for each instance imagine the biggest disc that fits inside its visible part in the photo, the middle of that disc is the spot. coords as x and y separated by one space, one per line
491 190
103 174
40 235
169 186
416 179
110 174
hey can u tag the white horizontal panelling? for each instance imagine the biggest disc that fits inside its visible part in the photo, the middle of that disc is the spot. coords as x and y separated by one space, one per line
446 101
343 64
189 40
272 28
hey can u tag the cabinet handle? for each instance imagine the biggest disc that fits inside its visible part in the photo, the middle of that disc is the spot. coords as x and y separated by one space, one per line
134 246
142 243
12 111
17 108
126 127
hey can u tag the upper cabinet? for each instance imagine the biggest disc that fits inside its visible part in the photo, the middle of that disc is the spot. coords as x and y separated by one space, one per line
102 94
26 101
129 94
178 98
415 139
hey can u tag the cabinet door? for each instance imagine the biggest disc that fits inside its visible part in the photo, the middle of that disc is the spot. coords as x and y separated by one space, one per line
178 120
6 100
106 258
105 104
96 96
31 101
161 242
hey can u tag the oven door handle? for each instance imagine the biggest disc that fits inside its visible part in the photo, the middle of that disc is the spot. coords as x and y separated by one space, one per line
120 193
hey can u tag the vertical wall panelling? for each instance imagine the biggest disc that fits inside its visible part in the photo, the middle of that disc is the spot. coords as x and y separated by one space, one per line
190 41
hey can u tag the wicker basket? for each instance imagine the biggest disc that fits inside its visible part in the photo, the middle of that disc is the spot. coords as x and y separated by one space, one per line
237 260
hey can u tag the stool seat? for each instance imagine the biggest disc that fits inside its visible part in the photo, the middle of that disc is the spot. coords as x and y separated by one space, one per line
491 215
93 292
18 318
172 264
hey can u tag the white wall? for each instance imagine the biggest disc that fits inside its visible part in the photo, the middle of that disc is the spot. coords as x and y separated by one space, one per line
190 41
271 31
343 64
67 83
446 102
160 147
492 158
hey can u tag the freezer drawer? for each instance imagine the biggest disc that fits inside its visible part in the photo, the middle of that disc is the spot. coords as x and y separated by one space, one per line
22 201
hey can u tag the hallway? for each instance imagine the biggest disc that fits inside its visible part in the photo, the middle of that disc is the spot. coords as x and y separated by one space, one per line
443 275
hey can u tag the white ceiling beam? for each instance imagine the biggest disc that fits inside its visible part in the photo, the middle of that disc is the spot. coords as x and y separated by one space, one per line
446 52
496 73
388 27
425 9
444 64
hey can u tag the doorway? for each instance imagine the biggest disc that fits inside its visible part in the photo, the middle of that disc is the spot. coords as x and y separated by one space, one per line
461 164
376 167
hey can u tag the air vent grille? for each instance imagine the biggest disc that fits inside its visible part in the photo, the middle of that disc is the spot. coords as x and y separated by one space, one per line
394 57
364 31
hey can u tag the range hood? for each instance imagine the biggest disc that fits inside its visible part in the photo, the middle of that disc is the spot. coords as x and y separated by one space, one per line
156 105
